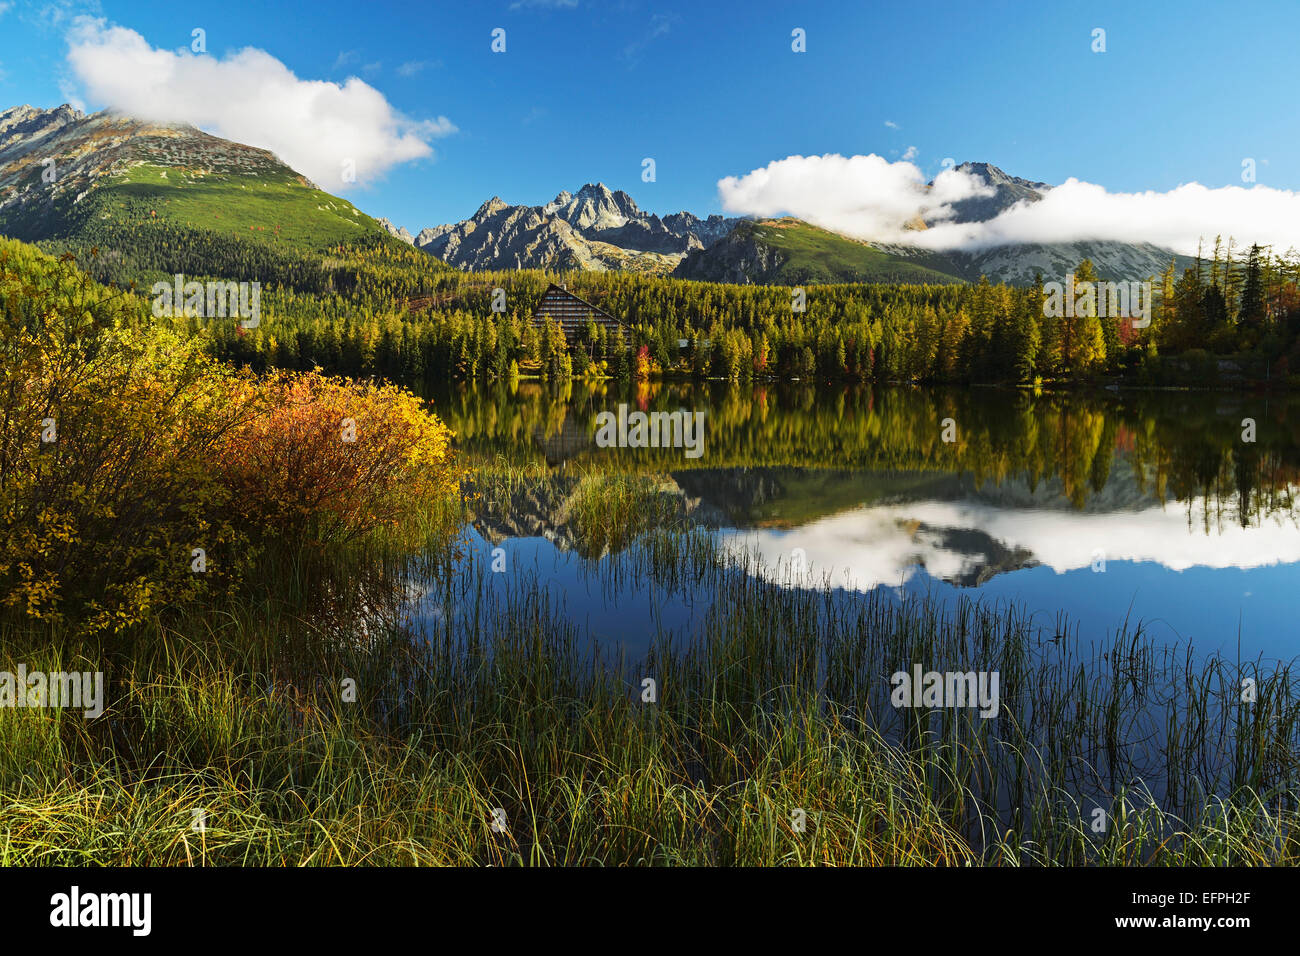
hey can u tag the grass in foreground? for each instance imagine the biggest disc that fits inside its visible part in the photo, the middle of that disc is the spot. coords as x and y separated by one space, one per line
492 701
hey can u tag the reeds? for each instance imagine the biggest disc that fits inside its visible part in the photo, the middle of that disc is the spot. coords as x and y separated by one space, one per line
327 720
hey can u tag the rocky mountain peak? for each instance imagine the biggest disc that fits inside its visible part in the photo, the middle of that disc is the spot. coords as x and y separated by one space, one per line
596 227
493 205
994 176
561 199
1007 191
594 206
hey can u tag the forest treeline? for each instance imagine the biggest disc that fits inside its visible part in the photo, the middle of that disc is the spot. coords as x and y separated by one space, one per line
380 307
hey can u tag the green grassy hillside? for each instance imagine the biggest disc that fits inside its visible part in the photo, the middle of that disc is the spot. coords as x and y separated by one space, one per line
150 222
792 252
815 255
277 207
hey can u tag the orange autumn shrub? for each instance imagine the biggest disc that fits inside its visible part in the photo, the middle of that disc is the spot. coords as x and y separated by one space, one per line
106 438
139 475
328 461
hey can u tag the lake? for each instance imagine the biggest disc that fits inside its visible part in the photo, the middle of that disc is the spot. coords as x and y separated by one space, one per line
1172 511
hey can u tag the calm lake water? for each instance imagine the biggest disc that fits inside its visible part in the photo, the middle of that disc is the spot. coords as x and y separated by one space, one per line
1145 507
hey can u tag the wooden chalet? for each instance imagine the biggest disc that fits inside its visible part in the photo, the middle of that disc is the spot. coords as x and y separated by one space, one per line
573 313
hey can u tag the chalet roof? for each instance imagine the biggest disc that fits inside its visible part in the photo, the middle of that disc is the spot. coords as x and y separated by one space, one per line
573 313
558 295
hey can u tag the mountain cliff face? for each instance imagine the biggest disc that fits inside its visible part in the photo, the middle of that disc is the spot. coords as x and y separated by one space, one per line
743 257
597 229
66 175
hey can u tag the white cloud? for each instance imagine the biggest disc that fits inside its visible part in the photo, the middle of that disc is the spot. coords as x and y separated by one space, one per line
251 97
863 196
1176 219
909 154
891 124
870 198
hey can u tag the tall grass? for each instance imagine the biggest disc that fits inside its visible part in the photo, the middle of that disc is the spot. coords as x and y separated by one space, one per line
774 714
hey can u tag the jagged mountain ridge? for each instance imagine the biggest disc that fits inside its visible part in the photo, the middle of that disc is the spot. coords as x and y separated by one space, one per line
597 229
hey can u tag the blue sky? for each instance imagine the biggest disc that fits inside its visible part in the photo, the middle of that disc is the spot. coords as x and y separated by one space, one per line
587 89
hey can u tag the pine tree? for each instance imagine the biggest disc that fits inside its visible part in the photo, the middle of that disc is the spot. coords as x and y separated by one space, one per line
1252 313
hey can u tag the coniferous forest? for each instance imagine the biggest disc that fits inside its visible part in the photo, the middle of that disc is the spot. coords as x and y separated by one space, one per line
379 307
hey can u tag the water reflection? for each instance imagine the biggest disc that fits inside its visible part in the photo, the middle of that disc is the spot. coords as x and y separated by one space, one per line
1119 505
968 542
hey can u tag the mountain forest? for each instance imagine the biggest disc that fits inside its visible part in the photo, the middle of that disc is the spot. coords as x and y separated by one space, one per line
376 306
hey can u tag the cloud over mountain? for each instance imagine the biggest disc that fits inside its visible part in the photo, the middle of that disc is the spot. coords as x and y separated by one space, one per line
320 128
870 198
866 197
